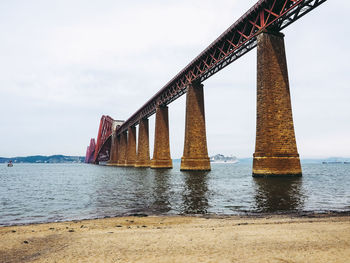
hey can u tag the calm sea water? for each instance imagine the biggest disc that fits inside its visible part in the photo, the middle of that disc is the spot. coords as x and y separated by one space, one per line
32 193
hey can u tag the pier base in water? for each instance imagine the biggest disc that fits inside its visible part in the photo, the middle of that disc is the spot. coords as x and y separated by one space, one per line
143 158
122 142
131 147
195 156
275 147
161 153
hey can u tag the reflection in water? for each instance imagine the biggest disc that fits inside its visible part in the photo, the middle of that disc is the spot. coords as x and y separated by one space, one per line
139 187
195 199
122 191
160 192
34 193
278 194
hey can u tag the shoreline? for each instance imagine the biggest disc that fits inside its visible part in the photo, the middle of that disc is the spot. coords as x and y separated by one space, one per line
267 238
257 215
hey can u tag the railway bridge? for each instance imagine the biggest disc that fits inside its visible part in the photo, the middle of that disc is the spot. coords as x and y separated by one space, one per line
275 148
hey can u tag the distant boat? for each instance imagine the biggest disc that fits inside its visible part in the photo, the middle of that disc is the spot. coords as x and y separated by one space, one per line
224 161
336 162
9 164
220 158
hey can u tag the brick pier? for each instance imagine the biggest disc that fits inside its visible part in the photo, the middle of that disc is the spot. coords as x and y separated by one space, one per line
122 149
275 148
113 160
143 157
131 147
195 156
161 153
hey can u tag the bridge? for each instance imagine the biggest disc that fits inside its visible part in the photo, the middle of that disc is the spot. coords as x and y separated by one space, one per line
275 148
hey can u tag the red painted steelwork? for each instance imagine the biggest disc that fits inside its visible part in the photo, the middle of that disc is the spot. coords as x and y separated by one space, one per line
90 152
237 40
105 151
104 132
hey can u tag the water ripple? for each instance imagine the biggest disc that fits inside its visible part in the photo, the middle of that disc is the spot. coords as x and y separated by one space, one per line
32 193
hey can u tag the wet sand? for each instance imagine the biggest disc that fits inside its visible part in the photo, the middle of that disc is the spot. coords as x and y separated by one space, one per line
181 239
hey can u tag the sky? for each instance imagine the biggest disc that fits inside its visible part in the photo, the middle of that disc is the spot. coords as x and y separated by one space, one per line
66 63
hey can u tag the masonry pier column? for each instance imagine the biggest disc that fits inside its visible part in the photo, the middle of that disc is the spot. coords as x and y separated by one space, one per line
131 147
195 156
161 153
122 149
113 159
275 147
143 158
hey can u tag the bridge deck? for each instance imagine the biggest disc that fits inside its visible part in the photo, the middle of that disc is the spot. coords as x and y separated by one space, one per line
236 41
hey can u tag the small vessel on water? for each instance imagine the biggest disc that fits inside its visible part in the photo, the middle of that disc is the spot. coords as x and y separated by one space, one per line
9 164
220 158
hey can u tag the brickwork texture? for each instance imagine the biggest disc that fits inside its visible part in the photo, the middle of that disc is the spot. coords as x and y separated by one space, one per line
113 159
122 149
131 147
161 154
275 149
195 155
143 157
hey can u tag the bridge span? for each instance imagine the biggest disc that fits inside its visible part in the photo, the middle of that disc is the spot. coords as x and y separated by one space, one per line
275 149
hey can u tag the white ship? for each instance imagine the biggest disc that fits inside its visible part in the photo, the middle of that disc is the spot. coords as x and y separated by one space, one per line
219 158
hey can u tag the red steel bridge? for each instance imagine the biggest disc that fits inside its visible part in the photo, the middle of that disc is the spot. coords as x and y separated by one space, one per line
100 151
266 17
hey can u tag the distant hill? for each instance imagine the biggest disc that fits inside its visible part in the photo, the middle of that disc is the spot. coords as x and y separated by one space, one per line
44 159
80 159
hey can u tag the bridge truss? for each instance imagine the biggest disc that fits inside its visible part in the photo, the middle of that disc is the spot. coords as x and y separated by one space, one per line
103 137
237 40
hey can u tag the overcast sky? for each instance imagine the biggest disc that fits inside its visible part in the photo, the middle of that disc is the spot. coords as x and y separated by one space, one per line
65 63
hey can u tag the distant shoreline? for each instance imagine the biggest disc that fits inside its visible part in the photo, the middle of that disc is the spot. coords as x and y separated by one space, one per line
41 159
44 159
257 215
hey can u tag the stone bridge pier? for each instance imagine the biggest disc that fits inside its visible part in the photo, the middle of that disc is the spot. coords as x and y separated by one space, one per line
275 146
161 154
143 157
195 156
122 140
131 147
113 160
275 152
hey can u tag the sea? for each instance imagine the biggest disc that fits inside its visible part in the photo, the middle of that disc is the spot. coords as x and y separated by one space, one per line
37 193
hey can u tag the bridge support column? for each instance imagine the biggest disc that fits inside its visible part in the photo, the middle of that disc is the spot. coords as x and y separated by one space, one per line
113 159
131 147
122 149
195 156
161 153
275 147
143 158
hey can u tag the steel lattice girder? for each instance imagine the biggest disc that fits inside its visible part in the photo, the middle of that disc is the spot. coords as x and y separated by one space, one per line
104 132
237 40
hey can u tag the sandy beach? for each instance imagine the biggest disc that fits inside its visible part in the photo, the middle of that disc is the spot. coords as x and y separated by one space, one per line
181 239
